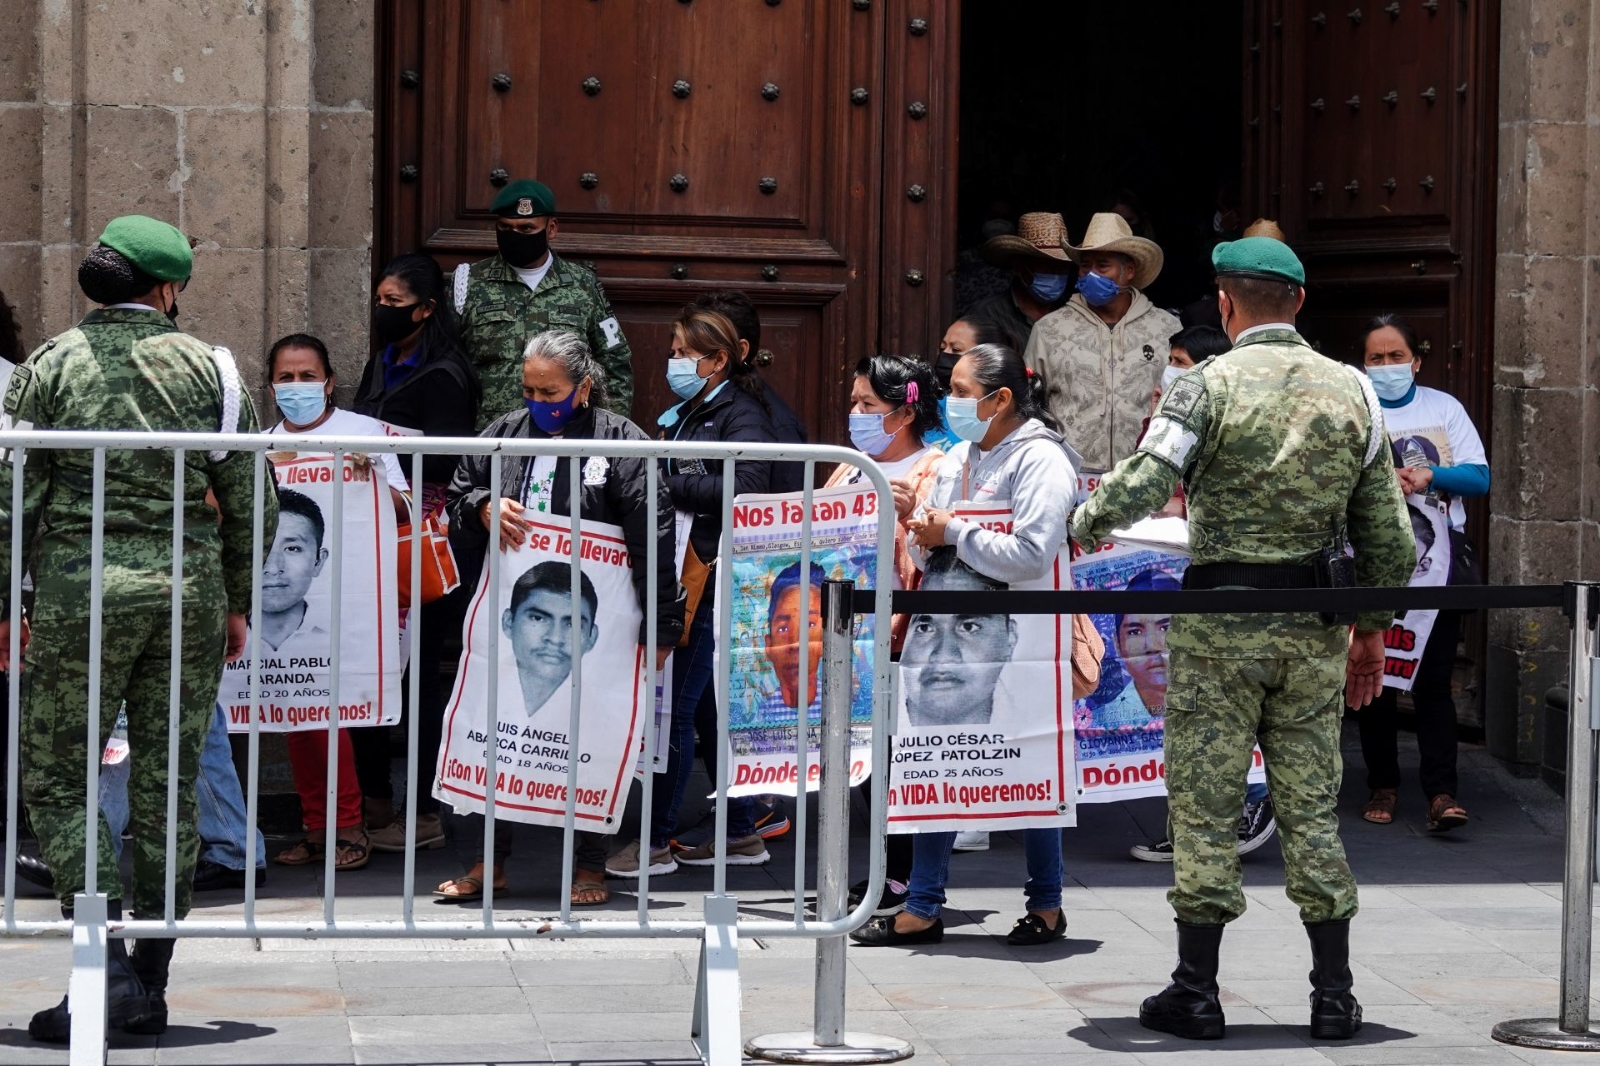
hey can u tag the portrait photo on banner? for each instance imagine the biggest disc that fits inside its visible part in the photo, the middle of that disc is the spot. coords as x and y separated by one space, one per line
984 736
775 618
547 645
297 594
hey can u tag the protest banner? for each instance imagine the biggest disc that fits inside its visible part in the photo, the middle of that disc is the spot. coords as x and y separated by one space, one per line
296 656
1406 639
765 686
985 708
533 674
1118 727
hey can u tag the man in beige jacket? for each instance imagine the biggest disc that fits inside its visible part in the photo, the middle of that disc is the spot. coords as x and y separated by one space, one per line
1103 352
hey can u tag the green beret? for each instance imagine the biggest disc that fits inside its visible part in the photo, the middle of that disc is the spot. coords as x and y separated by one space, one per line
155 247
1258 257
524 199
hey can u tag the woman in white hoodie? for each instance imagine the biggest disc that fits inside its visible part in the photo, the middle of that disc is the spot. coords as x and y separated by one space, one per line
1010 455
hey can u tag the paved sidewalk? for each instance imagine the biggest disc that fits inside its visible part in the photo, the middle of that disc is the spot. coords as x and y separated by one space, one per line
1456 933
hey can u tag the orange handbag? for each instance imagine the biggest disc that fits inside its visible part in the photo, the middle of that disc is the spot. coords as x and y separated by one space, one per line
439 574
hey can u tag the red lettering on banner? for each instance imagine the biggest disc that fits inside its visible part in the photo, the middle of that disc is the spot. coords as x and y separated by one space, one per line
1399 638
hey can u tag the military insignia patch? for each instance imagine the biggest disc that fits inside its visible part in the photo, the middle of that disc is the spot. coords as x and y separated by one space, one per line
613 331
21 378
525 206
1183 397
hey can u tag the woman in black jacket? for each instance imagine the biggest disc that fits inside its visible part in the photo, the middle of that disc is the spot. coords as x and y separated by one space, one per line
564 390
418 382
722 401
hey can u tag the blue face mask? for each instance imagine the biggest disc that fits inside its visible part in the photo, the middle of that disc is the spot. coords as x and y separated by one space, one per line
962 414
683 377
301 402
1390 382
1097 289
1048 287
553 417
866 433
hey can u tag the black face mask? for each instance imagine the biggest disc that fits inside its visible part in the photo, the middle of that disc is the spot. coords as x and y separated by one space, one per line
945 366
522 250
172 313
393 324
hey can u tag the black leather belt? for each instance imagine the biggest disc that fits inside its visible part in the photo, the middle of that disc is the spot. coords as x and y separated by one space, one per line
1251 576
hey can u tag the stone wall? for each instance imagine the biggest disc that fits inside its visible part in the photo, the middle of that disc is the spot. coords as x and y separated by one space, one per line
1546 429
247 123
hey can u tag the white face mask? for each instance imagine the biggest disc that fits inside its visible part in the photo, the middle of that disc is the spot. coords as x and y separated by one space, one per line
1171 374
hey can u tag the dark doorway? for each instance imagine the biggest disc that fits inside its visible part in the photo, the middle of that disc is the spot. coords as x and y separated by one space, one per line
1071 107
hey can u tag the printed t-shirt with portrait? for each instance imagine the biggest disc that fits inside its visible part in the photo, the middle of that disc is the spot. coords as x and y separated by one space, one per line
1438 419
347 423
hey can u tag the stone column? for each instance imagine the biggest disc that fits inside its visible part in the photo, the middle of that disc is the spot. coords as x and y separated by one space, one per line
1546 428
248 125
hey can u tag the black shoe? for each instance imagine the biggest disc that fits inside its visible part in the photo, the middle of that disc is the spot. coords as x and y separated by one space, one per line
1030 930
1189 1006
152 962
1335 1014
127 1003
892 901
1256 825
881 933
213 876
36 871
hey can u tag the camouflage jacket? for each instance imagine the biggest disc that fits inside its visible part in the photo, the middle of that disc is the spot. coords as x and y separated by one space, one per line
499 314
1276 445
129 371
1098 378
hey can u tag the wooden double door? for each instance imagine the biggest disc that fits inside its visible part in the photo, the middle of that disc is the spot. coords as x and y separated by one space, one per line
805 152
798 150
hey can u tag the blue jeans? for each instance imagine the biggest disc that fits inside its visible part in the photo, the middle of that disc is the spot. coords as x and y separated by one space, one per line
930 868
1256 792
691 676
219 801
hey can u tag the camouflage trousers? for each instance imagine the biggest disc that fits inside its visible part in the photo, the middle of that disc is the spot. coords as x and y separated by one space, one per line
135 665
1217 710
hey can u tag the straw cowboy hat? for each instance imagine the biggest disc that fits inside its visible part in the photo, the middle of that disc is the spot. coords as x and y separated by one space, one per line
1109 232
1040 245
1265 227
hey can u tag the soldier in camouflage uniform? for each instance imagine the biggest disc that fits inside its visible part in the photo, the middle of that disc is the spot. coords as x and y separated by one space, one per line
527 289
126 367
1283 453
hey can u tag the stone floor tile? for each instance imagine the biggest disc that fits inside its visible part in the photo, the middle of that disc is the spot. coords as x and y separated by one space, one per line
632 999
510 1030
461 1051
455 973
611 972
659 1053
605 1023
1044 1022
929 995
440 999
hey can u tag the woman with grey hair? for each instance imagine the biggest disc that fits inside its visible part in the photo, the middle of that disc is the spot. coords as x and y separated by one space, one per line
563 389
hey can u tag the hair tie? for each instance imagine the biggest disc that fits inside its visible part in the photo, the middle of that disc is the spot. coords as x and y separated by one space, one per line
1029 371
911 392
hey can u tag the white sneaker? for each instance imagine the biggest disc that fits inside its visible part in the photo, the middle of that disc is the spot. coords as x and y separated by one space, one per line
972 841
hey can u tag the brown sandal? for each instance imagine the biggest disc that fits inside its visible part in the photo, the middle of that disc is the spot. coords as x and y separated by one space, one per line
588 893
352 854
1380 808
449 889
1444 813
303 852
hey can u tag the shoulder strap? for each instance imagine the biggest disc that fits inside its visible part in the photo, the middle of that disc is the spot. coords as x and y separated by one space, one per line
462 275
232 391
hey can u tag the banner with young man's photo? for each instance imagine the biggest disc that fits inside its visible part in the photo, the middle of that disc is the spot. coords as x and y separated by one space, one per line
1407 638
296 646
985 711
766 685
1118 727
532 676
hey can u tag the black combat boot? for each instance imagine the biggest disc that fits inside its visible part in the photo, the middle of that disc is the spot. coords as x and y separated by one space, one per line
126 1001
152 961
1335 1014
1189 1006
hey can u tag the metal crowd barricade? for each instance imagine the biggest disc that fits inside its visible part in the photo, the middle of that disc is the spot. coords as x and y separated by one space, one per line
715 1023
